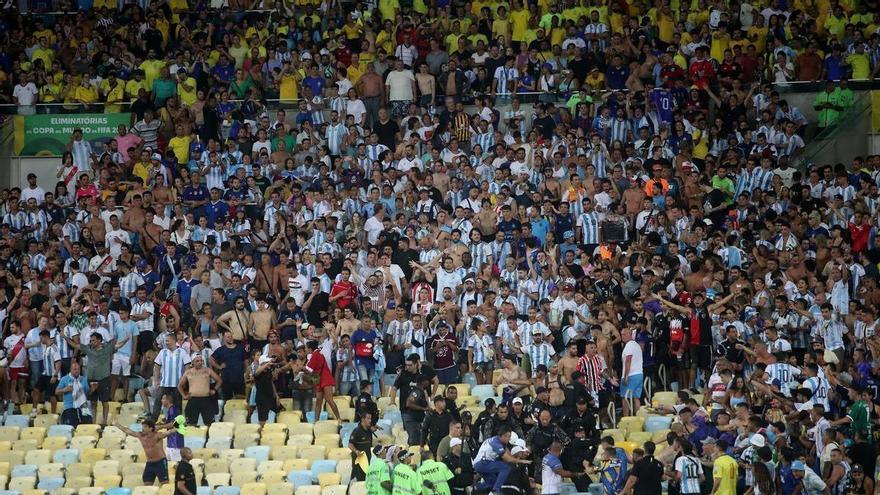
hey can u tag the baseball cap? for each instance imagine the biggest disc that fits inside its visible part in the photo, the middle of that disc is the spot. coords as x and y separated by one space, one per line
708 441
156 156
797 466
757 440
517 400
454 442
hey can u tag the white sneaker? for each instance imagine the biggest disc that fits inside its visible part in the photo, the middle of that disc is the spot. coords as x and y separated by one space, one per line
33 413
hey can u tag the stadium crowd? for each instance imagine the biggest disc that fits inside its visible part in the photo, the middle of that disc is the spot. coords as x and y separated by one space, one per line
575 204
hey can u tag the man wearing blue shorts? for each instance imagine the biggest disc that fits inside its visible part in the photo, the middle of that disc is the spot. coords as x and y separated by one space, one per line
633 376
157 465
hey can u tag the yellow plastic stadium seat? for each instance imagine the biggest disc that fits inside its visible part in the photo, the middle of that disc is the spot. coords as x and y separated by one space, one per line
244 464
133 469
289 418
3 481
46 420
358 488
54 443
313 452
273 476
283 452
102 468
231 454
659 436
110 443
463 389
245 441
132 408
297 465
308 490
92 490
235 405
51 470
79 469
328 426
238 417
146 490
275 439
329 440
217 479
338 454
216 466
5 445
108 481
22 484
274 428
270 466
343 468
639 437
247 429
221 430
37 433
93 455
383 403
280 489
38 457
346 415
631 423
664 398
4 469
197 432
334 490
132 481
167 488
616 434
241 478
25 445
9 433
84 442
300 440
327 479
123 456
77 482
204 453
302 429
253 489
87 430
627 446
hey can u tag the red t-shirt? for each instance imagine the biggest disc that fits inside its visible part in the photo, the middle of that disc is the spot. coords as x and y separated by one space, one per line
318 365
443 356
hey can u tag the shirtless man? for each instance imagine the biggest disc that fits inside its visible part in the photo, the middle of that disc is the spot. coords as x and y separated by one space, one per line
199 385
349 323
262 321
162 195
371 87
133 219
280 275
568 363
603 345
151 440
96 224
152 232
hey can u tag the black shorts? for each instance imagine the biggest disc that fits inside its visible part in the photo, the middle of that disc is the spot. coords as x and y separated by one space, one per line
231 390
46 386
155 469
102 393
701 356
680 362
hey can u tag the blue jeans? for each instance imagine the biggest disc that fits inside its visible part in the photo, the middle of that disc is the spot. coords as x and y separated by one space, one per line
36 369
492 470
448 375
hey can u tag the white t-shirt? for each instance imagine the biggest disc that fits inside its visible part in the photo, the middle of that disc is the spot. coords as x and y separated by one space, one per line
373 226
27 94
447 279
633 349
356 108
37 193
400 83
20 360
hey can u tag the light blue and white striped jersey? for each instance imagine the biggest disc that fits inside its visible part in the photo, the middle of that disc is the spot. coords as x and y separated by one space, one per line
306 270
523 295
599 159
137 308
71 231
691 470
269 219
349 372
82 155
335 133
479 345
486 140
215 177
512 279
787 145
819 386
397 331
545 286
505 335
39 221
762 179
63 347
173 364
507 78
38 262
540 354
480 253
589 224
500 251
50 357
316 107
129 283
16 221
373 152
427 256
455 197
619 130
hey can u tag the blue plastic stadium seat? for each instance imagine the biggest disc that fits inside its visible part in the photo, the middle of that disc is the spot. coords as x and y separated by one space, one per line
299 478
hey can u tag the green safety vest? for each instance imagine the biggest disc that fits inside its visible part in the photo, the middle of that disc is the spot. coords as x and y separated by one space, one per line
406 481
376 474
437 473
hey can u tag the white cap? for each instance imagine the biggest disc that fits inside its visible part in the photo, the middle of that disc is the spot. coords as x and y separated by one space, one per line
454 442
517 449
757 440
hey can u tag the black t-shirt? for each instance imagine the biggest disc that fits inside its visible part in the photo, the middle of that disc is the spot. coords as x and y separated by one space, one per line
361 439
234 359
649 472
187 476
318 309
387 132
407 381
